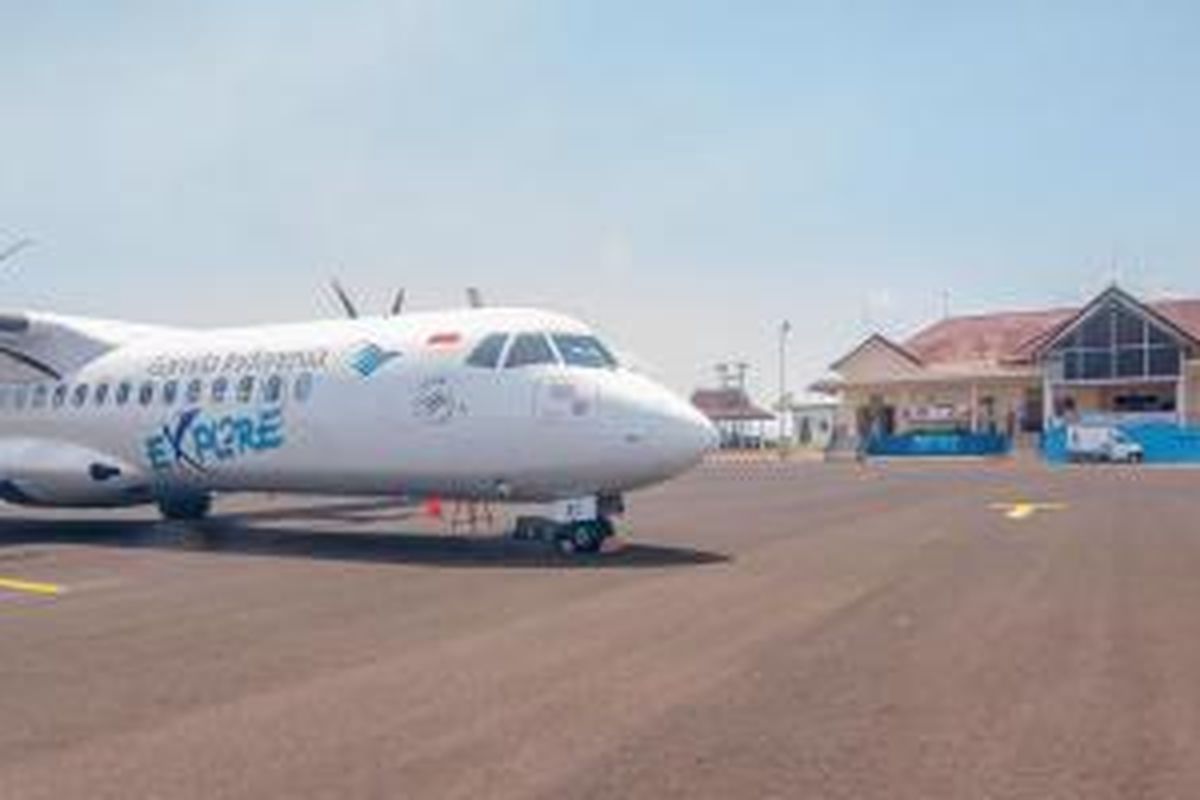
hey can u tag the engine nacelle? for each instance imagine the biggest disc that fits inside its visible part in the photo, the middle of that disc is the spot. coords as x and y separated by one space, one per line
46 472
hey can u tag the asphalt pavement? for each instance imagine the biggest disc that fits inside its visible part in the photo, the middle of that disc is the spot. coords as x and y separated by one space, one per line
900 630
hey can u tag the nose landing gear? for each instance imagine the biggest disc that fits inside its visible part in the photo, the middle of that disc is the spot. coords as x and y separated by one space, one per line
573 526
584 537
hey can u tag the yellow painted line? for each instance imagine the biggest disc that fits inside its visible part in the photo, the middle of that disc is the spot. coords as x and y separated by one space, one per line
1021 511
1024 510
31 587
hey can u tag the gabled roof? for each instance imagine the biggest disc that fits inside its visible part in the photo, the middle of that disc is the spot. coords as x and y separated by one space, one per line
878 339
1174 315
728 405
1014 338
988 338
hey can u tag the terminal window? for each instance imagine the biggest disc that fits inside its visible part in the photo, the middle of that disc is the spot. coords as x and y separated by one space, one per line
1116 342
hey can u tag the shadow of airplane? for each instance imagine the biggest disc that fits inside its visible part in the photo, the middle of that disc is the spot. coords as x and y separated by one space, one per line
233 536
349 511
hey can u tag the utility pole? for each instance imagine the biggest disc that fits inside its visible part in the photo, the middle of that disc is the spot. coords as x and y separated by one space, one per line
785 330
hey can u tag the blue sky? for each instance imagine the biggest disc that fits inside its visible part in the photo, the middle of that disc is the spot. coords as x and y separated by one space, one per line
682 174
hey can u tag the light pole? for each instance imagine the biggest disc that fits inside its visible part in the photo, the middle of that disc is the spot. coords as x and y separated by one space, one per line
785 330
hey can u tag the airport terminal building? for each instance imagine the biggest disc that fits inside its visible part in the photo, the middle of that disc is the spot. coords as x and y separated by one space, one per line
1118 359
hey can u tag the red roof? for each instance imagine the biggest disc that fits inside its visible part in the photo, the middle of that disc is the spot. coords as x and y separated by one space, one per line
1014 336
988 337
728 405
1184 313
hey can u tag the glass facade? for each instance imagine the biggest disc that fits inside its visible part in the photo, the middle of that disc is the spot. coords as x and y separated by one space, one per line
1116 343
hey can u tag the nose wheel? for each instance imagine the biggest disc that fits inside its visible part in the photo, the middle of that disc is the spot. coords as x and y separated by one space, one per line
585 536
578 525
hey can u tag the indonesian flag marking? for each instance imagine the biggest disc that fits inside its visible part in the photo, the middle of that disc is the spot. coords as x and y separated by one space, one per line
445 340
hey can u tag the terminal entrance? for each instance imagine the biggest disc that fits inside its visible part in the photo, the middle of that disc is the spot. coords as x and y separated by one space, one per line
876 419
1148 402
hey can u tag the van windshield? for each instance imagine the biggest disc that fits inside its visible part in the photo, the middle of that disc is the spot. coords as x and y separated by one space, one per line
578 350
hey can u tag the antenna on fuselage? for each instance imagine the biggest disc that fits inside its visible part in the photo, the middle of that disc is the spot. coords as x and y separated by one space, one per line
347 304
474 298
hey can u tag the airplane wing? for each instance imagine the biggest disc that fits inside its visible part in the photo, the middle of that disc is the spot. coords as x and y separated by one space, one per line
40 347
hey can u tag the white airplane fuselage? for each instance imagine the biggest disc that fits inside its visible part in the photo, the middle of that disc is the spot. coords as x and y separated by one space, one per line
378 406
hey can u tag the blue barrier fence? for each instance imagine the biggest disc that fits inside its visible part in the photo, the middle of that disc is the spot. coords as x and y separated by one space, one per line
1054 445
940 444
1162 443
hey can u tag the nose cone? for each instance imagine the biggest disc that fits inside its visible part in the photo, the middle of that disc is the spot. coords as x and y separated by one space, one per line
662 434
691 435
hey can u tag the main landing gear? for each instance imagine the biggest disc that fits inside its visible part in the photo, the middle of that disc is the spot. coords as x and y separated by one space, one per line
187 506
573 526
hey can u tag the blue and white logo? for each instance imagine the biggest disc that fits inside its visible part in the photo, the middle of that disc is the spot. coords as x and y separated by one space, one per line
369 358
198 440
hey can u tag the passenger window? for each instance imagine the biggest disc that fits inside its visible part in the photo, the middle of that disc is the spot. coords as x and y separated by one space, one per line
41 394
100 396
80 395
583 351
273 389
220 388
124 390
245 390
195 390
4 395
170 392
146 393
529 349
303 388
486 354
60 396
21 398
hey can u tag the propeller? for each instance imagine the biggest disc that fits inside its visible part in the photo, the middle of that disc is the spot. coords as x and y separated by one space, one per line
15 248
344 298
398 304
474 296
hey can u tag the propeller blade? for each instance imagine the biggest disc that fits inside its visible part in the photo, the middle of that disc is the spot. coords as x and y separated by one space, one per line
347 303
15 248
474 298
398 304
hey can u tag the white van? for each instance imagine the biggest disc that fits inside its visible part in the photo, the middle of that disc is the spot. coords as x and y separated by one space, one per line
1102 443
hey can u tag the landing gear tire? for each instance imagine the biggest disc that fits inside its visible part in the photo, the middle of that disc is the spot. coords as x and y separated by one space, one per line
584 537
185 507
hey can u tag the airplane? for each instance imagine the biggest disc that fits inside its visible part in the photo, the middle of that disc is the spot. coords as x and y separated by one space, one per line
476 404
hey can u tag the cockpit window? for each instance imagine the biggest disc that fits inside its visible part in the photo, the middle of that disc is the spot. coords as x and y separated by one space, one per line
529 349
487 353
583 351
